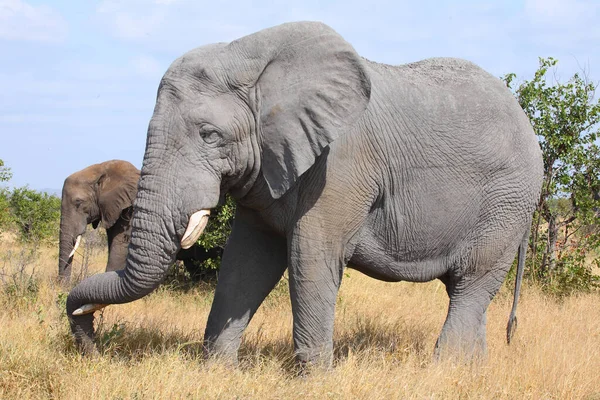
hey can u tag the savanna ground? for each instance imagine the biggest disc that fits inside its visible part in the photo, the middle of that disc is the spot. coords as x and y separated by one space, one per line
384 337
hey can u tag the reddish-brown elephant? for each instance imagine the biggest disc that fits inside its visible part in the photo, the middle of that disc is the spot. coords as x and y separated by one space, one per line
104 193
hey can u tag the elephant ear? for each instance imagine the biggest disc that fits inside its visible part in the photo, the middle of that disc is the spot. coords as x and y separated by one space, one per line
312 90
117 188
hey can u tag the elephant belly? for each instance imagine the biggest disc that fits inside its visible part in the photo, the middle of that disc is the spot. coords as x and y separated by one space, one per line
372 260
416 244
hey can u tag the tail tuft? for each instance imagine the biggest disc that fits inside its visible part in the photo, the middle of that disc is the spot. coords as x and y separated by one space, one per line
510 329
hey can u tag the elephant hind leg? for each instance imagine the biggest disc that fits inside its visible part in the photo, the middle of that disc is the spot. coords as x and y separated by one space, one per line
464 332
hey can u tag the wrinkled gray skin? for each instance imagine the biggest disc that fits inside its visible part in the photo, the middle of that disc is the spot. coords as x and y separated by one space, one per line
417 172
104 193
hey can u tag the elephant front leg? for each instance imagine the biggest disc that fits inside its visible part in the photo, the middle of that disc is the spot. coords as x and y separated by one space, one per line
316 269
252 264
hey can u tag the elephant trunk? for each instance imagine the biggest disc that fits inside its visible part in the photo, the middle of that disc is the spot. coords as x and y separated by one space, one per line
64 261
154 244
68 243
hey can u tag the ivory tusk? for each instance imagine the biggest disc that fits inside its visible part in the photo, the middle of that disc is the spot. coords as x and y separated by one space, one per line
88 308
195 227
76 246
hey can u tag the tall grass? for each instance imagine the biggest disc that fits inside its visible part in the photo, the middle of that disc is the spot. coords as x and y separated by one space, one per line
384 337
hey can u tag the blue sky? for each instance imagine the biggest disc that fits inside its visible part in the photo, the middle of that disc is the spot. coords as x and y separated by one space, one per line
78 79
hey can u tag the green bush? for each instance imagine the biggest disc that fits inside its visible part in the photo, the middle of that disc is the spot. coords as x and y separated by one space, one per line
5 176
217 231
214 236
565 235
4 209
35 215
573 275
5 173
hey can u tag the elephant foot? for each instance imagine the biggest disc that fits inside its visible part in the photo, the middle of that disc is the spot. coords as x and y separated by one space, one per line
221 360
82 328
222 354
461 348
310 360
87 349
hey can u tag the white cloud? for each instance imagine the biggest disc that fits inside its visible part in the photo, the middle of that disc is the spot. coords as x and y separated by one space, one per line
22 21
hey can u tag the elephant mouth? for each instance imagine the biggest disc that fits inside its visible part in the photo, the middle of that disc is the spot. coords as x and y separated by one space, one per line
195 227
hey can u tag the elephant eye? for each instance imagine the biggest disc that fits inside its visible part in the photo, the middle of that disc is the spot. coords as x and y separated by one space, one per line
78 202
209 134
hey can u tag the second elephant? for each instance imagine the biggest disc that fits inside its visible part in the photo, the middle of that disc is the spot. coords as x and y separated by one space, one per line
104 193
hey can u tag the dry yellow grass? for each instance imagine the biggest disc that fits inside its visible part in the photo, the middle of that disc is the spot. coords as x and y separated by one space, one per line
384 336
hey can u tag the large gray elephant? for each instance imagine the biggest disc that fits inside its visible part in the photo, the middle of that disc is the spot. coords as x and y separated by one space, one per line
416 172
104 193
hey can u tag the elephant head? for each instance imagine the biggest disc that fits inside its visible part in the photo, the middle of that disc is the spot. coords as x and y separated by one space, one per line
98 193
248 118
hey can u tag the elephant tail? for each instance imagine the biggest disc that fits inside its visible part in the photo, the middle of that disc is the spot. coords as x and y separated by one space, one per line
512 319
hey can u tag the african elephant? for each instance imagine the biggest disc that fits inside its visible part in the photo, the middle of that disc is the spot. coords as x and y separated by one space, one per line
416 172
104 193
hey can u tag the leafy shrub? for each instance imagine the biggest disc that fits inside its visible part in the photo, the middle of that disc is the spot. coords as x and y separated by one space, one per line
566 119
573 275
5 176
5 173
217 231
573 269
214 236
4 209
36 215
